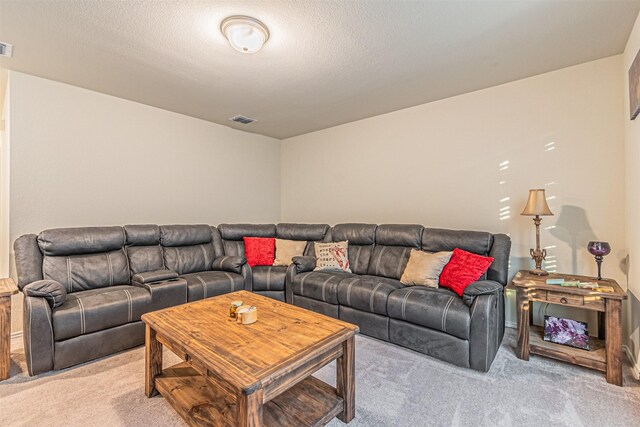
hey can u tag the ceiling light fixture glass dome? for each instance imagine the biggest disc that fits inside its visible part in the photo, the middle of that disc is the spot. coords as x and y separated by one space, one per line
245 34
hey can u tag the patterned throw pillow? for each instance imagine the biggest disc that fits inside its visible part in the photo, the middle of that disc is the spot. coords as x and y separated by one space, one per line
424 268
287 249
332 256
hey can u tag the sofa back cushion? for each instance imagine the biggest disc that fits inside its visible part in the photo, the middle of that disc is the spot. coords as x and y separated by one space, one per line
143 248
440 239
392 249
307 232
187 248
361 238
85 257
232 235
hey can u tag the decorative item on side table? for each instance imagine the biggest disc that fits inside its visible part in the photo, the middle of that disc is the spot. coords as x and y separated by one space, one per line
599 250
566 332
537 207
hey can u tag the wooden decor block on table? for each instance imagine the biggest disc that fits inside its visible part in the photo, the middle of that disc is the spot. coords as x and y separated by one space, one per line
250 375
7 288
606 351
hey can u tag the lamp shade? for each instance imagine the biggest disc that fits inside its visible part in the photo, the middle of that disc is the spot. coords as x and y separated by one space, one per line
537 204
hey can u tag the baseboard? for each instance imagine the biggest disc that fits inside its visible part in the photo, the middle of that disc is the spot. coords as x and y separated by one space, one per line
635 368
512 325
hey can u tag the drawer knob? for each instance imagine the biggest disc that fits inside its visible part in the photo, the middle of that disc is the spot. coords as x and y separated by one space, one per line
563 300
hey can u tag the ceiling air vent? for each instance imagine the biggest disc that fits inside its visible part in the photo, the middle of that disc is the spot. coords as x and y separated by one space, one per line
5 49
242 119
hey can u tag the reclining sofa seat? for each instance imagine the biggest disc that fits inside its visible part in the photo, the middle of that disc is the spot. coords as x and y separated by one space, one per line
318 290
111 276
269 280
466 331
195 252
101 313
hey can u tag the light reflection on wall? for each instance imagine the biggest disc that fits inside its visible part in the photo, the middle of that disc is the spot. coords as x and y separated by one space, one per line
504 209
550 263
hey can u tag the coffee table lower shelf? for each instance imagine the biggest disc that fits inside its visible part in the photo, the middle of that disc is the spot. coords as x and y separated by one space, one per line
311 402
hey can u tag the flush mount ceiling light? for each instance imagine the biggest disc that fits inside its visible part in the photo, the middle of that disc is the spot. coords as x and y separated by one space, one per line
245 34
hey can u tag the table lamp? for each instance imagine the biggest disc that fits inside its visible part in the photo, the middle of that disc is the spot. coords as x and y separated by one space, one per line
537 207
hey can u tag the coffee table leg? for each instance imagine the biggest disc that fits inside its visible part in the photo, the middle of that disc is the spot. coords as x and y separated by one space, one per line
153 361
346 381
250 409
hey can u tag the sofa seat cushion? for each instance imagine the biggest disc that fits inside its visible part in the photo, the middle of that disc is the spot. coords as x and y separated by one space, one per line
268 278
438 309
207 284
94 310
320 285
367 293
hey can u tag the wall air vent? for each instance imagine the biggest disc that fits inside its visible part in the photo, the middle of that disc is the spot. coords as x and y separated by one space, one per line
6 49
242 119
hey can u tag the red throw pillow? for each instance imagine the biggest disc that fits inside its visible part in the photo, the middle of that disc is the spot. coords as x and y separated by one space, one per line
259 250
463 269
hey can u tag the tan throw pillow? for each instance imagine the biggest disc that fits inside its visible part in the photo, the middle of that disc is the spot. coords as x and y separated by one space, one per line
424 268
332 256
287 249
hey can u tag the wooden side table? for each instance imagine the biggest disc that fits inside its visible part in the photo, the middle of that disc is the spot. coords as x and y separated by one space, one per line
605 352
7 288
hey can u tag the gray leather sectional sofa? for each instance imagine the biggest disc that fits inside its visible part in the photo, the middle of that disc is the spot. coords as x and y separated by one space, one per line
86 288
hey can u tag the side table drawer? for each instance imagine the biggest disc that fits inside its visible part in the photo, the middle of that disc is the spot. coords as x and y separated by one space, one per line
567 299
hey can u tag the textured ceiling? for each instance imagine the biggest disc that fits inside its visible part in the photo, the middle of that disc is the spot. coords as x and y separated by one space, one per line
326 63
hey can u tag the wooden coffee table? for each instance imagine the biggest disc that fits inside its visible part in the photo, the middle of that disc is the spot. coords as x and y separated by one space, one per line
250 375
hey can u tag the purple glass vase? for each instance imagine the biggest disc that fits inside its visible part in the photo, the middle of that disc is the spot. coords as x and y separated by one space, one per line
599 250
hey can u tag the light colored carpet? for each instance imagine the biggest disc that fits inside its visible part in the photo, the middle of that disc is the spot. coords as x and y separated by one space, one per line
395 387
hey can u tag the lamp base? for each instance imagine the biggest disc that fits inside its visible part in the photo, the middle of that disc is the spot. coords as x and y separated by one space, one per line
539 272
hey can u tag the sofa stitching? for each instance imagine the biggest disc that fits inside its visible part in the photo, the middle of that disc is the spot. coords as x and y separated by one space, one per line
231 280
302 284
398 272
110 269
204 286
29 332
47 309
377 264
204 252
82 319
444 314
373 293
324 286
404 304
353 281
130 305
357 260
69 282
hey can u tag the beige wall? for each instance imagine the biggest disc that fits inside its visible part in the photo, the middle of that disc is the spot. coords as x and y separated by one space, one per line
463 161
632 150
83 158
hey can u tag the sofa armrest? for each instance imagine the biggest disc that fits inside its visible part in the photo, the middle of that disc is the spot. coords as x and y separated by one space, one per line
481 287
299 264
53 292
154 276
304 263
231 264
37 334
165 293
